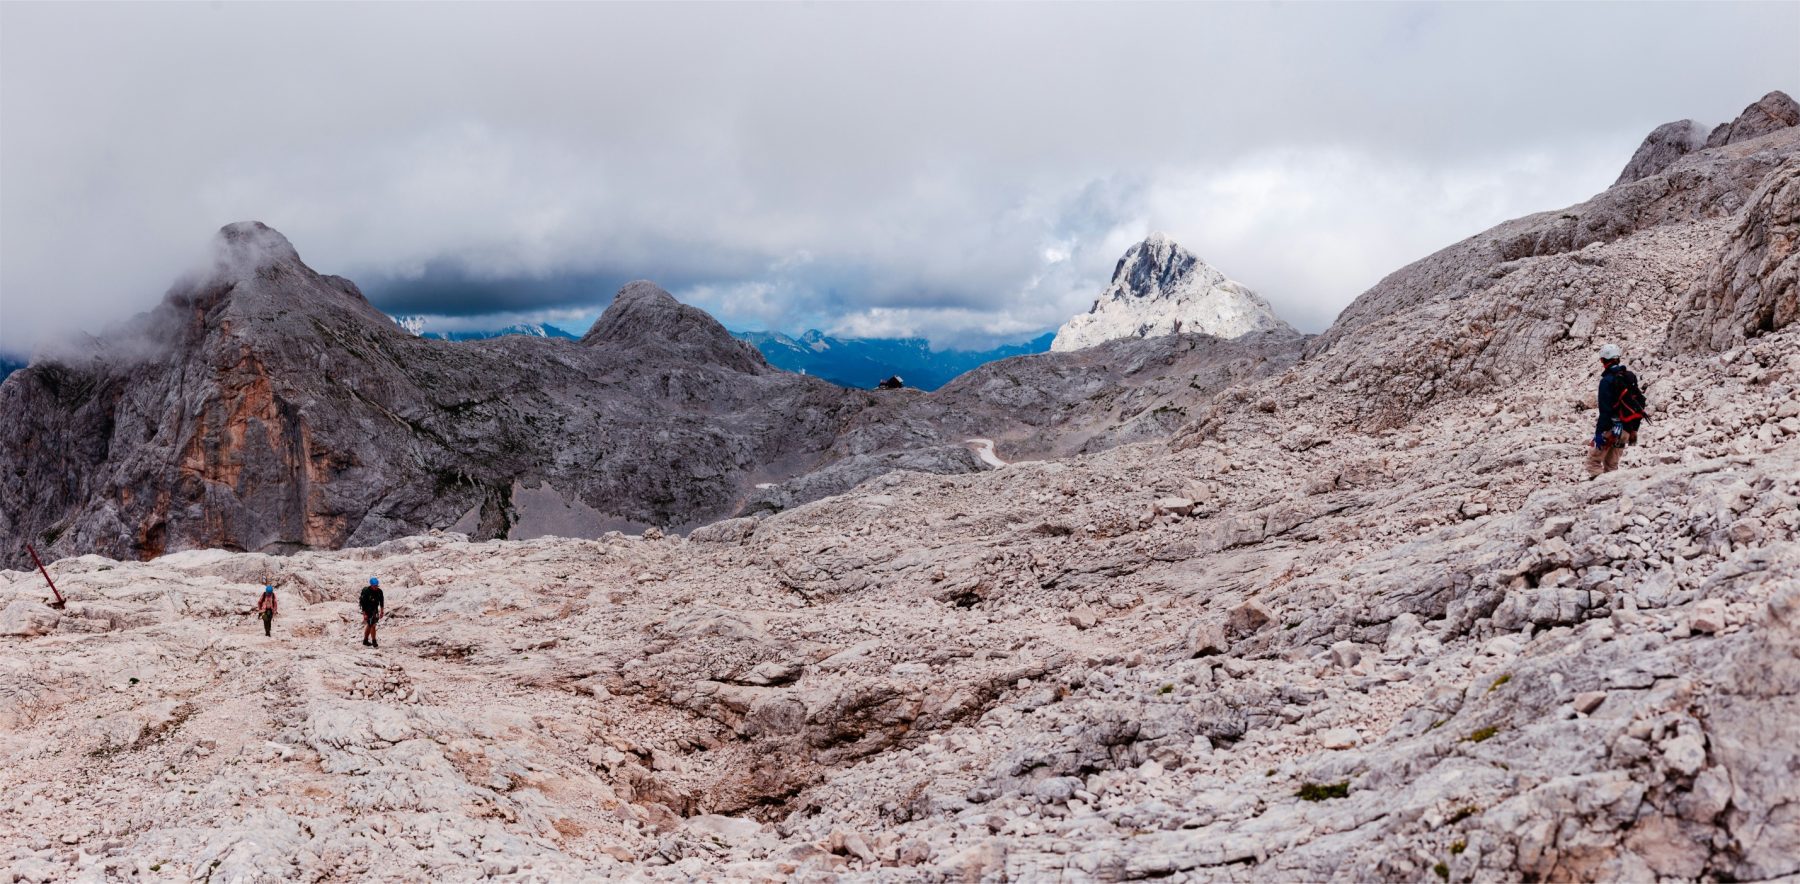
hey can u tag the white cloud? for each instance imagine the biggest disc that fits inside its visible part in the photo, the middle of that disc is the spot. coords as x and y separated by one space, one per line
574 321
933 169
1311 229
962 328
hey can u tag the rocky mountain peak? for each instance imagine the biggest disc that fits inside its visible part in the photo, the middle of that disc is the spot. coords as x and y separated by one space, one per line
257 274
1671 141
1661 148
1153 267
1161 288
250 245
1772 112
642 314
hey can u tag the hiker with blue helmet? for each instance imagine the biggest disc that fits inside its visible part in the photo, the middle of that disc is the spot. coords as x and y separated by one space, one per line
265 608
1621 406
373 607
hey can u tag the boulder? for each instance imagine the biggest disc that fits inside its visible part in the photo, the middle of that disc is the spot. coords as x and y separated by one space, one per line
1083 617
1708 616
27 619
1247 618
1205 638
1174 506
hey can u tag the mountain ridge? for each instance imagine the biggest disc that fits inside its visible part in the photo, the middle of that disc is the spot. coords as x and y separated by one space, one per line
1361 616
265 406
275 409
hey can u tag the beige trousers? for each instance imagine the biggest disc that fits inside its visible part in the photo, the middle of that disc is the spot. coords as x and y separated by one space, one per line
1605 460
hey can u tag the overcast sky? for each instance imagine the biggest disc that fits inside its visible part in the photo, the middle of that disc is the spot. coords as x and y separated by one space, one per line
968 173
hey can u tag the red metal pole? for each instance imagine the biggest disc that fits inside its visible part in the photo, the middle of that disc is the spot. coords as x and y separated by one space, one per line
41 570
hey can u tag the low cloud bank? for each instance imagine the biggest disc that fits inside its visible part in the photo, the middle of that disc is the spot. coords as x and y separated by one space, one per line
943 171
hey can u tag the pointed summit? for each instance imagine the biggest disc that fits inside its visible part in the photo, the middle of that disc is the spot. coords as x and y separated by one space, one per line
1661 148
256 274
642 314
1160 288
1671 141
1772 112
250 245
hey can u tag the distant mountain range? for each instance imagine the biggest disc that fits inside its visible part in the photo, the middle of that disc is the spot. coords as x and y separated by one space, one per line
532 330
7 366
270 407
848 362
865 362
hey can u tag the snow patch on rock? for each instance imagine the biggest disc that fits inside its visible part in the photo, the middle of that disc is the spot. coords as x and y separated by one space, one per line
1160 288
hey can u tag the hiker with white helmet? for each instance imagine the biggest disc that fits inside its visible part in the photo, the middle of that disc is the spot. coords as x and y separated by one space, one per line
1621 406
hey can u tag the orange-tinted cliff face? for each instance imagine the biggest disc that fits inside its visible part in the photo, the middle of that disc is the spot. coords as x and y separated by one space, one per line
267 407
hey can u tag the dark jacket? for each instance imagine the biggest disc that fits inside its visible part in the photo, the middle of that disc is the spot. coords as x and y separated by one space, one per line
1613 382
371 599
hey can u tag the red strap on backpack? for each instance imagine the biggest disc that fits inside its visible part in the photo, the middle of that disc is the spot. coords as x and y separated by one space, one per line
1623 412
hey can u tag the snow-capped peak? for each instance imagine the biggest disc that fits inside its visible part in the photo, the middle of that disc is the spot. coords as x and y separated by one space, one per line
1160 288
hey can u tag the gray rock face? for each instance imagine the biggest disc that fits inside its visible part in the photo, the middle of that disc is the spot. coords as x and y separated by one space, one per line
1664 145
1773 112
1754 286
1160 288
662 329
1087 400
1624 260
1284 645
268 407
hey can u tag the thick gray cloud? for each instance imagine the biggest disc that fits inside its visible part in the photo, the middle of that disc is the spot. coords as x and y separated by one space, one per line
965 172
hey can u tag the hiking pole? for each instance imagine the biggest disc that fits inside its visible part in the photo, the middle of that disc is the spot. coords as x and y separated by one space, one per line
40 563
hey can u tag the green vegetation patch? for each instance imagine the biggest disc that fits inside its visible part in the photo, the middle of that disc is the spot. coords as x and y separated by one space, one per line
1322 791
1482 735
1498 682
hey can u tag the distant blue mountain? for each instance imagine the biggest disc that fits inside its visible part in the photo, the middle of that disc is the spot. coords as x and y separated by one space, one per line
865 362
848 362
7 366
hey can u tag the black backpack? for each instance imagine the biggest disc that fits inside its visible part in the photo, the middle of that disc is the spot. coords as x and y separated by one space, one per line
1631 407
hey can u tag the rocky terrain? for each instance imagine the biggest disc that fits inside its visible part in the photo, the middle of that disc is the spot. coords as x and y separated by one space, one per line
1079 401
1160 288
1359 616
266 407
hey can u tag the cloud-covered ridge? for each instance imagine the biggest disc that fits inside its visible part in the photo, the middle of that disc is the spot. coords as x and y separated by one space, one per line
795 166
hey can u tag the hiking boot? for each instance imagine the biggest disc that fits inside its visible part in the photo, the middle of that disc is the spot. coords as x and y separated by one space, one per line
374 644
365 642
